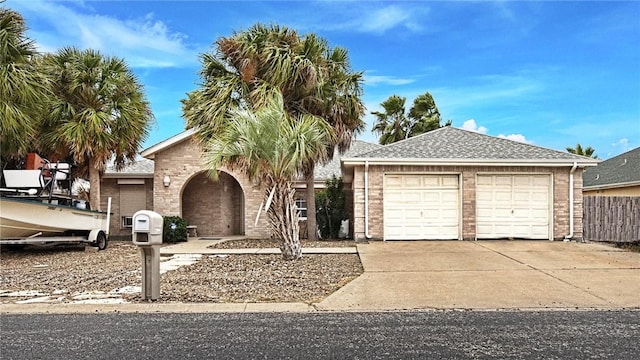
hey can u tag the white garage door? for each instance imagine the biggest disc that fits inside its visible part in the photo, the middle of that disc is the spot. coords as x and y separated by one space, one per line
513 206
421 207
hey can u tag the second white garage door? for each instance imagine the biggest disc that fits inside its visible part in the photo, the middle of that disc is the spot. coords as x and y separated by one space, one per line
421 207
513 206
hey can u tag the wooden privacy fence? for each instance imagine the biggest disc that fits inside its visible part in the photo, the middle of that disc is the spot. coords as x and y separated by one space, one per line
611 218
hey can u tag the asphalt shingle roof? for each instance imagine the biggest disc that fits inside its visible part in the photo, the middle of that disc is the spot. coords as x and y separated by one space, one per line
139 167
624 168
458 144
333 167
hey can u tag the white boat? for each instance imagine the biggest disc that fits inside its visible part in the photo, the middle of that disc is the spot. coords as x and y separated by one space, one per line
37 207
23 218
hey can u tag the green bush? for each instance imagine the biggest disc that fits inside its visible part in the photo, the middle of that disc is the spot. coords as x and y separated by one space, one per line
331 208
174 229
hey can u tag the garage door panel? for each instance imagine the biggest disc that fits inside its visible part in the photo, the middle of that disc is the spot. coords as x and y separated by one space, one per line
502 180
430 181
420 206
540 231
449 196
393 181
450 181
412 182
513 206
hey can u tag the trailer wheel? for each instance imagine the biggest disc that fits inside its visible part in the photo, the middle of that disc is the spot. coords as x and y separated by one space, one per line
101 241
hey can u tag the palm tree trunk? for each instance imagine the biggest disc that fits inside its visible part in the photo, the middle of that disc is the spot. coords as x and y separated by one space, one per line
311 206
284 220
94 183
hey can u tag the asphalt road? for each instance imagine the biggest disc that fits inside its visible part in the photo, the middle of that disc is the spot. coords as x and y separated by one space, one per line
390 335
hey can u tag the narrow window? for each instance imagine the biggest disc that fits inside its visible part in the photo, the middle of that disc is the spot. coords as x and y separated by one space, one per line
301 206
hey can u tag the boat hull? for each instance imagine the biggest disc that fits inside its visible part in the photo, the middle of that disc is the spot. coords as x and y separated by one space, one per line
26 218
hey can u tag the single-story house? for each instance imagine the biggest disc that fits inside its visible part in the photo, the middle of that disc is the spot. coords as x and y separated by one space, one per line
172 179
446 184
457 184
618 176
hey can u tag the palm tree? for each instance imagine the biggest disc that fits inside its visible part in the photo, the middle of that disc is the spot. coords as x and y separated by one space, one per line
272 147
23 91
313 79
99 113
579 150
393 125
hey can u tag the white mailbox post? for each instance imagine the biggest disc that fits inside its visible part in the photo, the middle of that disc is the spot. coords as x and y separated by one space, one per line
147 234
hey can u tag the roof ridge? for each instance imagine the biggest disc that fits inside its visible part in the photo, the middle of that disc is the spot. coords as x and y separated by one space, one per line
521 143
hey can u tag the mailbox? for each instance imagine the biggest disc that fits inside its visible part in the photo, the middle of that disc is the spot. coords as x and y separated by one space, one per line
147 228
147 234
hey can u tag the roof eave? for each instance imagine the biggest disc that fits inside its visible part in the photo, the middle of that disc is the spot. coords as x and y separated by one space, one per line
128 176
612 186
150 152
471 162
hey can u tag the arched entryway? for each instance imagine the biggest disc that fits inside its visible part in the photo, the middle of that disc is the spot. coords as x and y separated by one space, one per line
216 207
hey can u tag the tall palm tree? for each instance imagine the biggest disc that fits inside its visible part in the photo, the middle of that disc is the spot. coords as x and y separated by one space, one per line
23 90
268 145
313 79
391 124
394 125
99 113
579 150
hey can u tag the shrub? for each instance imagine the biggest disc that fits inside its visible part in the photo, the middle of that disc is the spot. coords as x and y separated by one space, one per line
330 208
174 229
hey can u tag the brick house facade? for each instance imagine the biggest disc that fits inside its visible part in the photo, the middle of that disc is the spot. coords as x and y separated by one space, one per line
446 184
468 174
182 187
525 190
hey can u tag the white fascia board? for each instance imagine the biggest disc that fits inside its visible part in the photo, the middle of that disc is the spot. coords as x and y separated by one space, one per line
470 162
127 176
611 186
150 152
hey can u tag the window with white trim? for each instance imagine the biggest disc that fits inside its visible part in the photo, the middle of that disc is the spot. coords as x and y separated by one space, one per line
301 207
127 221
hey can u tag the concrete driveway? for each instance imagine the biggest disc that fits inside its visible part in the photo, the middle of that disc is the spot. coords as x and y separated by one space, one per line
490 275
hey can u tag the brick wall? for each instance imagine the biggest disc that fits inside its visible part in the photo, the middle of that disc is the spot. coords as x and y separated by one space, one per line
183 163
560 192
109 188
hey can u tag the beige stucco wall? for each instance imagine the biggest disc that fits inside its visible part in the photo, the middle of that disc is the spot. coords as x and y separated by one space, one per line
468 174
622 191
181 163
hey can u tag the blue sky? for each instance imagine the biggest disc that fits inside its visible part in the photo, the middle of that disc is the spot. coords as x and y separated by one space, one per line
549 73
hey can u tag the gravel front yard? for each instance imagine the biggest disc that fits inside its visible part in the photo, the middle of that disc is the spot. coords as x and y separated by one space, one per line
68 275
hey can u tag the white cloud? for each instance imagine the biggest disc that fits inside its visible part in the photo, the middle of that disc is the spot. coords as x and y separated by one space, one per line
516 137
142 42
621 146
374 80
363 17
381 20
472 126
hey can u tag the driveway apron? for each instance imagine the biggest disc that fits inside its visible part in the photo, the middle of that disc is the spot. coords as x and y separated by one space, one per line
490 275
